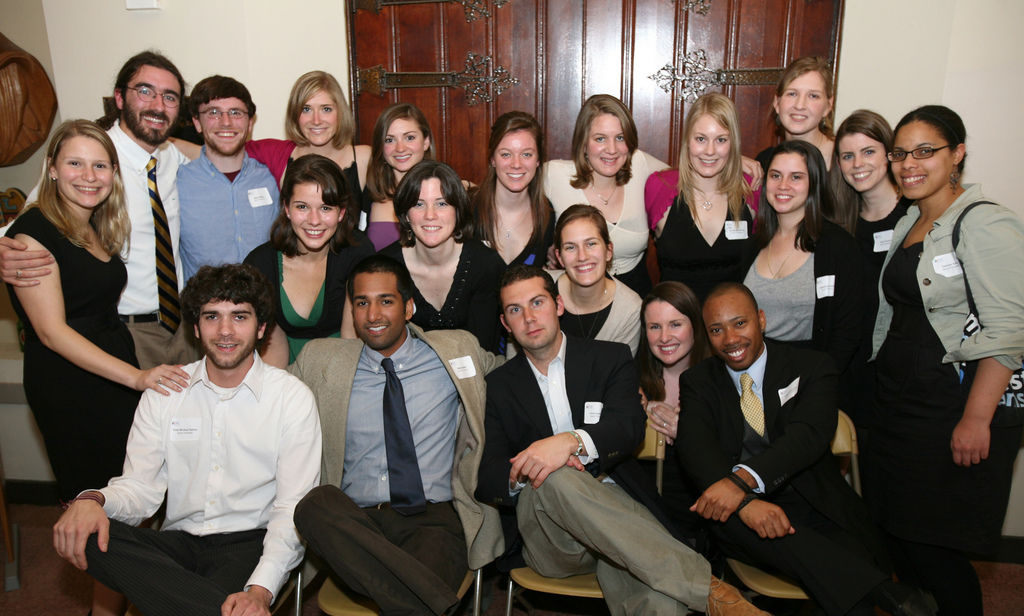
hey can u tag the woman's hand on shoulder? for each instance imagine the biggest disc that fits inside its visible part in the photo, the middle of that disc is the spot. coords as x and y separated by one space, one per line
162 379
753 169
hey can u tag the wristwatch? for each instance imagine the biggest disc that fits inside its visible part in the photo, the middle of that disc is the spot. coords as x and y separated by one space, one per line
579 444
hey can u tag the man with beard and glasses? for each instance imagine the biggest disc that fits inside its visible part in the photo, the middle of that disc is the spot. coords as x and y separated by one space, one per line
228 200
233 454
403 411
148 91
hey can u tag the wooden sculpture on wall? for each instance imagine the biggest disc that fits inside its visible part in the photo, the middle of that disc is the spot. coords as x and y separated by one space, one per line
27 104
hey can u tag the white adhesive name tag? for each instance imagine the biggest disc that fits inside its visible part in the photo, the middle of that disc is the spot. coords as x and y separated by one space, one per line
185 428
259 197
825 286
947 265
463 367
736 230
592 412
883 239
786 393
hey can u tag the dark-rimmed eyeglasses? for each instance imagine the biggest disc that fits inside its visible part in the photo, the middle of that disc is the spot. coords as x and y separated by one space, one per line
148 93
898 156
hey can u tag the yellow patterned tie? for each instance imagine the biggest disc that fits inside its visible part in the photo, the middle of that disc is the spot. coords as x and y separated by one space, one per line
753 412
166 277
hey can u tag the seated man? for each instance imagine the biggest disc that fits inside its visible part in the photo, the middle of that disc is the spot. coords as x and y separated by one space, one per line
403 413
233 453
754 434
228 200
562 407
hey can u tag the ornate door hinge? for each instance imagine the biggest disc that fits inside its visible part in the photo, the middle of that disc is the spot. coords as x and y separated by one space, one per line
475 9
697 77
476 79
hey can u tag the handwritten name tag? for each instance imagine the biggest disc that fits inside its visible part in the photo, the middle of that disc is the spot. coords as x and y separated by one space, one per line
463 367
786 393
259 197
947 265
736 230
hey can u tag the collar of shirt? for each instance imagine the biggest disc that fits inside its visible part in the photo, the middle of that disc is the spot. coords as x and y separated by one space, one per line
253 379
560 359
370 359
130 154
208 165
756 372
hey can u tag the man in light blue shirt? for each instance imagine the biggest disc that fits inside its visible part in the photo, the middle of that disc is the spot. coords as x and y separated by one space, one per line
228 200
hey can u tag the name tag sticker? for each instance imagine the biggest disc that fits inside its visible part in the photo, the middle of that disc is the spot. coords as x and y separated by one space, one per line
259 197
463 367
786 393
185 428
947 265
883 239
825 286
592 412
735 230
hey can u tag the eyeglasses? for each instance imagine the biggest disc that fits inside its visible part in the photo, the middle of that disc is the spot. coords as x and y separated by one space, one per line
148 93
898 156
215 114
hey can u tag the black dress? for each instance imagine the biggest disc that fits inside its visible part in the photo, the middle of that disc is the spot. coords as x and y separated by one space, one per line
685 256
83 417
916 492
472 302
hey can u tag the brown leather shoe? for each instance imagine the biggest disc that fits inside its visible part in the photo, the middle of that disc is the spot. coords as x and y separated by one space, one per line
725 600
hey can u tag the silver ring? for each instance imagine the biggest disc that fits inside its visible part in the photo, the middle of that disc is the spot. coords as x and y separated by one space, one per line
160 380
17 274
664 424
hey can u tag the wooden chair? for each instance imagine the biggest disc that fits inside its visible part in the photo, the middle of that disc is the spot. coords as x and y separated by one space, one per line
585 585
337 601
844 443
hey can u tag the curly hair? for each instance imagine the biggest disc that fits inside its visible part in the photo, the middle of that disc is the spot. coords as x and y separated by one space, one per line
237 283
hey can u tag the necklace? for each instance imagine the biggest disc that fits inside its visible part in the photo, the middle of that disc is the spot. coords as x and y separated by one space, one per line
707 204
508 229
604 201
775 272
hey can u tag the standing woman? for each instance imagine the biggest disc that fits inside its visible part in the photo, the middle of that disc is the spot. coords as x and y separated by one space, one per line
673 340
313 246
401 139
81 376
803 107
608 172
946 451
510 212
597 306
455 276
699 214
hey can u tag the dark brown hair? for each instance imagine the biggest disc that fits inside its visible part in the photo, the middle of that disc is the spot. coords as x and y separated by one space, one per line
334 188
680 297
817 198
408 194
380 177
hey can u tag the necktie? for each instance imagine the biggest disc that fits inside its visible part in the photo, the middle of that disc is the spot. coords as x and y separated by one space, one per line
753 412
403 470
166 278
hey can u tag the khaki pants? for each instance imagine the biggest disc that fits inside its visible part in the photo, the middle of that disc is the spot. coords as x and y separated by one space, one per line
154 345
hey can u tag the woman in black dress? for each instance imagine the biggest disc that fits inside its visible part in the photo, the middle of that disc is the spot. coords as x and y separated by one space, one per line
81 376
456 277
945 450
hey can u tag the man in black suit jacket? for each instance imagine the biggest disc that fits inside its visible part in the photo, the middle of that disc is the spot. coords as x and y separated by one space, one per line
562 407
770 465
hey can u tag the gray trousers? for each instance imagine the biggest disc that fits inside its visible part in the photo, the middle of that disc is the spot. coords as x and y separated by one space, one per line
574 524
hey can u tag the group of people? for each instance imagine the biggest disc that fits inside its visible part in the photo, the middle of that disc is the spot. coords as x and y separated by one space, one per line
393 291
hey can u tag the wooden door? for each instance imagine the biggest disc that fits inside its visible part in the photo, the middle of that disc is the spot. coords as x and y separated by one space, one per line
464 62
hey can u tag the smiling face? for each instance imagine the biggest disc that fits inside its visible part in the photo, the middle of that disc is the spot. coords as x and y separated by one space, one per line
432 218
84 174
228 333
404 145
225 135
669 333
530 314
862 161
583 253
149 123
802 105
313 221
318 119
606 145
515 160
709 144
787 184
378 312
923 178
735 328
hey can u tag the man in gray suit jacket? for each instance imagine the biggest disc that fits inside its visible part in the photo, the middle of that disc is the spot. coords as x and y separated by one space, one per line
408 553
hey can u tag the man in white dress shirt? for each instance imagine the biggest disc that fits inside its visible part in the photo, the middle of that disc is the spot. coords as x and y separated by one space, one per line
233 453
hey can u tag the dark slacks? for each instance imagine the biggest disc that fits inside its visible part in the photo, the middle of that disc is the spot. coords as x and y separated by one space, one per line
172 572
831 564
406 564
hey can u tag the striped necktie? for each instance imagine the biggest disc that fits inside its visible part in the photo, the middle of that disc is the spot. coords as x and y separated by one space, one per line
753 412
166 277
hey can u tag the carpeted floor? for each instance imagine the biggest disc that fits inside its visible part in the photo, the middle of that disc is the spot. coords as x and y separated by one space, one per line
52 587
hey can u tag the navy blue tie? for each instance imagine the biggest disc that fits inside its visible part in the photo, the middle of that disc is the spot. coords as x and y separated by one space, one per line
403 469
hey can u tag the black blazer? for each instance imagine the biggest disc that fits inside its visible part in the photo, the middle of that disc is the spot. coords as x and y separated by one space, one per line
800 432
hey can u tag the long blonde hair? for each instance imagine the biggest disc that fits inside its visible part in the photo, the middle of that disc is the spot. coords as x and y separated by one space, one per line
110 218
720 108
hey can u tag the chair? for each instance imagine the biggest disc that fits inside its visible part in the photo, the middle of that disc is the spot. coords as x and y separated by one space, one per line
585 585
844 443
336 601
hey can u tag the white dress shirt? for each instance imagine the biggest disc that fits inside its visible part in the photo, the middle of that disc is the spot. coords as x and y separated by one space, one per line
229 460
552 388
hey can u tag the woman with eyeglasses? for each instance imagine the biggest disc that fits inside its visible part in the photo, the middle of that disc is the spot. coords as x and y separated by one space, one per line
944 447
